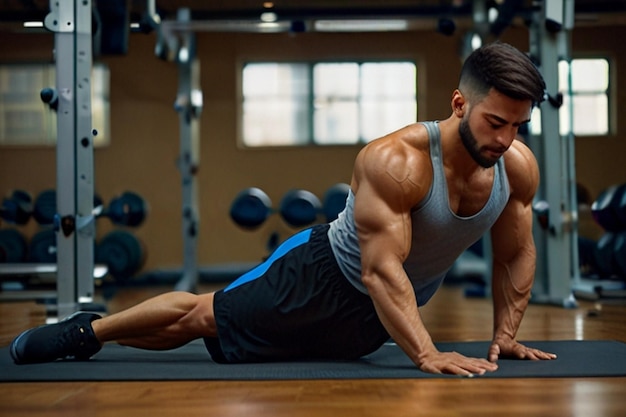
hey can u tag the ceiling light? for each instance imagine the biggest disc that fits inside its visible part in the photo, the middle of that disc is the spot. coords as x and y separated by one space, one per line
268 17
33 24
360 25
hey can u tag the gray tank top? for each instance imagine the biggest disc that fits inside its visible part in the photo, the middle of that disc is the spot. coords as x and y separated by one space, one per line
439 236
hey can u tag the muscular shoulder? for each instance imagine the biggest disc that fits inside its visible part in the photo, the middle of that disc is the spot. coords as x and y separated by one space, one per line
398 161
522 171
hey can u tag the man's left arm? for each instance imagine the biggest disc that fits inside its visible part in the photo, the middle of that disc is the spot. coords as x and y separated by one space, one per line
514 258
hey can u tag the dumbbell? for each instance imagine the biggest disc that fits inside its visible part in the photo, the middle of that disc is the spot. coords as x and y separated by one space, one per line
298 207
123 254
619 253
17 208
128 209
609 209
43 247
335 200
252 206
13 246
610 254
541 209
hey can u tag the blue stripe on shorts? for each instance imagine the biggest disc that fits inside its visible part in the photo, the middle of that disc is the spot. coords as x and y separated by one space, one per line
291 243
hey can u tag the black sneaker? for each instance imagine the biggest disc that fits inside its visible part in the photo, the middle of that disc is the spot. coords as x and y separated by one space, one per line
72 337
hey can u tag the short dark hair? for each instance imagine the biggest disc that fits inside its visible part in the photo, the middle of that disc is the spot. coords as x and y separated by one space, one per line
503 67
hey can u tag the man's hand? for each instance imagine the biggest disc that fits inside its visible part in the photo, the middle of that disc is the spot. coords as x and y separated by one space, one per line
454 363
509 348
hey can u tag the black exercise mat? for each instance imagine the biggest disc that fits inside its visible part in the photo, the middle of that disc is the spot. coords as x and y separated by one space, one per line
192 362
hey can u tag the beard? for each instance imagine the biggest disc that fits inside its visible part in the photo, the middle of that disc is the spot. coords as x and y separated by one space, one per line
470 143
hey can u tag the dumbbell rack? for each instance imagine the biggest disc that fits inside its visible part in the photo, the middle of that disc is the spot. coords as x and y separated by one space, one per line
12 276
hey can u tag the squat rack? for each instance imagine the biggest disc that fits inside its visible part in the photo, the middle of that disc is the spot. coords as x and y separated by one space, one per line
70 20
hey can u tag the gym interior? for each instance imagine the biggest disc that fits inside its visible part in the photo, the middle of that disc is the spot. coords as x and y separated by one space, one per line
172 147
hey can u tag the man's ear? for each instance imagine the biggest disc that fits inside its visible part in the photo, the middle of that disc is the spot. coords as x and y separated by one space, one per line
458 103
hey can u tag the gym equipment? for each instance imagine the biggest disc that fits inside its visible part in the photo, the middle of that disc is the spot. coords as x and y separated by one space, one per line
605 255
250 208
335 200
610 255
542 211
609 209
550 27
13 246
17 208
43 247
71 23
299 207
577 359
122 253
45 207
128 209
619 253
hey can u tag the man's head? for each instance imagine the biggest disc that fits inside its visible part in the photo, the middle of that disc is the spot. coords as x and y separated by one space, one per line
504 68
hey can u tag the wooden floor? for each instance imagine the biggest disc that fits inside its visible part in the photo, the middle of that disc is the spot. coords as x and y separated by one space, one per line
450 317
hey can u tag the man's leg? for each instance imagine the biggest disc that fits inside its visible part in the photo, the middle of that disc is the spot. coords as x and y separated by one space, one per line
164 322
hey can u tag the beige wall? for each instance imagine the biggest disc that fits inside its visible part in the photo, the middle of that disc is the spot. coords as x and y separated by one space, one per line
144 129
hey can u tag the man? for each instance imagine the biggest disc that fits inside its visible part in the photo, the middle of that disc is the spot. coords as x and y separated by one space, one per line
419 197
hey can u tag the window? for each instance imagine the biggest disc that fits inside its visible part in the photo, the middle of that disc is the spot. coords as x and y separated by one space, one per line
589 97
26 120
326 103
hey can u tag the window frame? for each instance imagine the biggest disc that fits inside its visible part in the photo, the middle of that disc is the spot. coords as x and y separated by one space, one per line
610 96
100 102
310 102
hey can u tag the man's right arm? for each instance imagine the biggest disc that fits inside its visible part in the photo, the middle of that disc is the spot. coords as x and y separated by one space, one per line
384 197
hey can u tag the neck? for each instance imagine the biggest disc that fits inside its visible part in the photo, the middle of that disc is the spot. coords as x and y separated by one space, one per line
455 157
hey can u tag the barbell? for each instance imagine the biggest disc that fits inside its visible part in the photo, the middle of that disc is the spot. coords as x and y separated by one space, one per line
128 209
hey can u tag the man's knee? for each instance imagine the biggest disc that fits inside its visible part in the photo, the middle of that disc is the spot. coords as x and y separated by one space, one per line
202 315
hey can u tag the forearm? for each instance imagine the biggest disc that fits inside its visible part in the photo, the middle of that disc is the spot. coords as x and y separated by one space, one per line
511 287
397 309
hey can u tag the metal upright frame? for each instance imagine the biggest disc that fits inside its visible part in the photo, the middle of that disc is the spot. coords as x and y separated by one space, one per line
557 257
71 22
182 46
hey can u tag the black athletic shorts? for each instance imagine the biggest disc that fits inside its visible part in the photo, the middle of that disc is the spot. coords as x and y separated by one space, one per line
297 305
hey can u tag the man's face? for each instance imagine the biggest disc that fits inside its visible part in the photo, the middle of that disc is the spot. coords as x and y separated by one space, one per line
488 128
470 143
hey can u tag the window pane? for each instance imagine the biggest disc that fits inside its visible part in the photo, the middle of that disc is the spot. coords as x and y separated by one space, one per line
590 111
590 75
534 126
337 122
591 114
388 101
351 101
268 122
392 79
379 118
275 107
335 113
336 80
